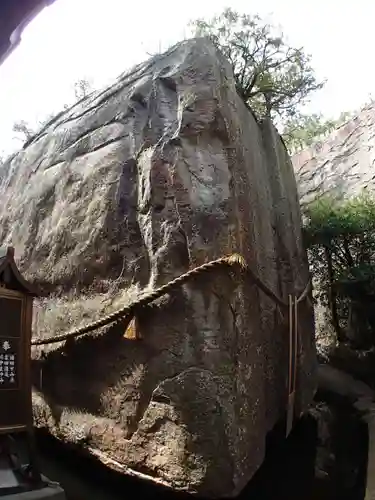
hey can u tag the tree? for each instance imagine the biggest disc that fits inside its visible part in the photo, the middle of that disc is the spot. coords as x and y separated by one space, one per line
340 237
82 88
273 78
24 129
301 131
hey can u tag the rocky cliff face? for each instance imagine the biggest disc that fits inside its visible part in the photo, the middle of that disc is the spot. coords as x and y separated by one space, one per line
341 164
133 186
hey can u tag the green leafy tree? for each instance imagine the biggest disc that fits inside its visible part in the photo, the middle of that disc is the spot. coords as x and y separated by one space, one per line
340 238
273 78
301 131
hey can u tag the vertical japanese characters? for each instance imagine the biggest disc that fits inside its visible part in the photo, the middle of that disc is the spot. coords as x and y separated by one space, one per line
7 365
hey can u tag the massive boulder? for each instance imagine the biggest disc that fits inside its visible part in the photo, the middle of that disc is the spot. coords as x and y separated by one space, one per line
159 173
341 164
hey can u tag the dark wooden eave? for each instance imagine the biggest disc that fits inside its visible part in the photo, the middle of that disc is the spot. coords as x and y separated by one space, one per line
8 266
15 15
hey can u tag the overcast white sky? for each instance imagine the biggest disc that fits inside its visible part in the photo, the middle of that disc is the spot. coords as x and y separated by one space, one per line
100 39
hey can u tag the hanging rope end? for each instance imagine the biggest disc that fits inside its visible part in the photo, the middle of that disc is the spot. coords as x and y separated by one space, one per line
237 260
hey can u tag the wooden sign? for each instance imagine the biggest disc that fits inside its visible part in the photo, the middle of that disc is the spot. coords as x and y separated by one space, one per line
16 296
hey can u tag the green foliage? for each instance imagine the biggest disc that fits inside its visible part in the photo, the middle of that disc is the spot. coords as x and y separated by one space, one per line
328 219
273 78
301 131
340 238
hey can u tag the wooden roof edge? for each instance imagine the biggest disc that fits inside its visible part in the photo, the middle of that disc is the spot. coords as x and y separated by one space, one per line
7 260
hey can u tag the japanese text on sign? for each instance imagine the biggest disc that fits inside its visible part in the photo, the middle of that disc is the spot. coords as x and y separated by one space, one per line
8 373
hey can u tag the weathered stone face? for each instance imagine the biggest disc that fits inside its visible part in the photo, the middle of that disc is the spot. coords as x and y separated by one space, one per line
131 187
341 164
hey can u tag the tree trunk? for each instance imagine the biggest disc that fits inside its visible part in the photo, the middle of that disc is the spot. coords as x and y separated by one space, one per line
332 296
268 101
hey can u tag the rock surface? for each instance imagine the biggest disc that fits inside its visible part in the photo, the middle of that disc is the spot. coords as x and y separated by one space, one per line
331 379
345 436
340 450
134 185
342 163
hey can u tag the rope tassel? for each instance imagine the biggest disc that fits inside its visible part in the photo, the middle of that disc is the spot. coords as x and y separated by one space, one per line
132 330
